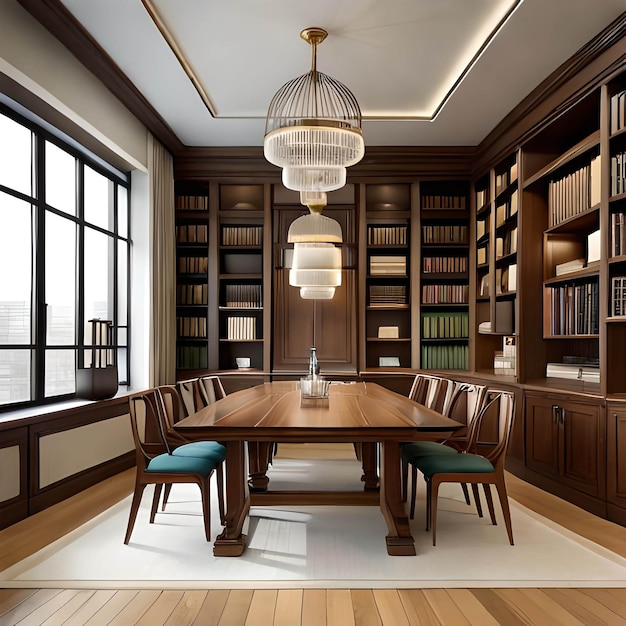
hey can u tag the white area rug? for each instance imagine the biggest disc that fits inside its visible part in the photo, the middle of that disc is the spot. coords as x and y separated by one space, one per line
329 547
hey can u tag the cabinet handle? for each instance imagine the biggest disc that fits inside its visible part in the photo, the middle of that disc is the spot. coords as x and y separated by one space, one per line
555 409
561 416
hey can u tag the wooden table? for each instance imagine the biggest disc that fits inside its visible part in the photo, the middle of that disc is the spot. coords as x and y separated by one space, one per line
361 412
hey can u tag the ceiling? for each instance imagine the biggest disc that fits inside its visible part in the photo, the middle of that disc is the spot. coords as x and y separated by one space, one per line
425 72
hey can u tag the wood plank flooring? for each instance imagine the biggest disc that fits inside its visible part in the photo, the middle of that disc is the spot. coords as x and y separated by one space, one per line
302 607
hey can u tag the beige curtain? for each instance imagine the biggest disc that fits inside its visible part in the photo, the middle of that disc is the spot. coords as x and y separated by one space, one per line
163 266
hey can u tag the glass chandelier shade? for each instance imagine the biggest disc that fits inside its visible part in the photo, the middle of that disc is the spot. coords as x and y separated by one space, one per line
316 270
315 227
313 128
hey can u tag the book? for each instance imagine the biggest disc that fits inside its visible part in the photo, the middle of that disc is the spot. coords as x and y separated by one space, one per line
569 266
593 246
388 332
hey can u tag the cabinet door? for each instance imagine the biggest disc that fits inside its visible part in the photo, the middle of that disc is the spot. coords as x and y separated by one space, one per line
616 457
582 436
335 326
542 436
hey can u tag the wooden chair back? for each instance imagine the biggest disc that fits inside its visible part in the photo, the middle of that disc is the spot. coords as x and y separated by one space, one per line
148 428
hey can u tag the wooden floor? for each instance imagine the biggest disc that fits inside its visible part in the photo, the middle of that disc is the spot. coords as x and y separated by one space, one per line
309 607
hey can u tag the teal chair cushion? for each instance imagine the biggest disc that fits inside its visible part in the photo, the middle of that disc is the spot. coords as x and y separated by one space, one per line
417 449
453 464
170 464
203 449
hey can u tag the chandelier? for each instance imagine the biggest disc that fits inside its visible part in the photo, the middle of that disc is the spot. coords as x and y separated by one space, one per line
313 128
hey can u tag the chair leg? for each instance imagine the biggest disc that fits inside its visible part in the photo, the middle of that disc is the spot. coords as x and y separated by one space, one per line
492 513
434 489
219 477
166 495
428 504
134 508
504 503
155 501
479 508
405 479
413 490
466 493
205 492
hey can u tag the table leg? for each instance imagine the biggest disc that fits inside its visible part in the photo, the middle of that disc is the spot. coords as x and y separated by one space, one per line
369 458
259 454
231 542
400 542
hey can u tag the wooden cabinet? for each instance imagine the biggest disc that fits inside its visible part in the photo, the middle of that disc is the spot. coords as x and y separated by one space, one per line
565 441
616 462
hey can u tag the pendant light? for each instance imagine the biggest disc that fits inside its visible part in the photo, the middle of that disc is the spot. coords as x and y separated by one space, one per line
313 128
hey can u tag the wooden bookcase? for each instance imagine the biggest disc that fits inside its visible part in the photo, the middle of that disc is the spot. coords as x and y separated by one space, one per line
444 275
389 270
221 294
192 285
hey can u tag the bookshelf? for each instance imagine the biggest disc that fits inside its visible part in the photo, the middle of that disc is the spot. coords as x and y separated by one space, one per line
192 285
444 275
240 279
388 276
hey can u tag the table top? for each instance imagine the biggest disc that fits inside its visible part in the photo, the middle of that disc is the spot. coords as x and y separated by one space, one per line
353 412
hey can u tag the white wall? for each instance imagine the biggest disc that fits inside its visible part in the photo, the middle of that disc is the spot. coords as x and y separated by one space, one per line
32 57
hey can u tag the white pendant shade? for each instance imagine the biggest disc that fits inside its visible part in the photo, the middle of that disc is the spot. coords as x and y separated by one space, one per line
316 270
314 227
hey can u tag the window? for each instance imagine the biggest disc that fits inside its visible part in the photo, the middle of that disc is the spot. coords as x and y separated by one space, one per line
64 254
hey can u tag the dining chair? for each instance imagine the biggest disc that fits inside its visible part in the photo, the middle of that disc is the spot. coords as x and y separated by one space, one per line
481 464
158 466
466 404
172 409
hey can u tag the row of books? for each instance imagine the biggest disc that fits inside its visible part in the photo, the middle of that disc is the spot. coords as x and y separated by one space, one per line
618 296
192 357
618 173
482 196
506 279
387 295
574 309
574 193
506 209
445 234
505 178
394 265
445 294
192 203
241 328
193 265
242 235
387 235
191 233
243 296
192 294
618 111
507 243
449 357
444 202
618 234
442 264
191 326
446 326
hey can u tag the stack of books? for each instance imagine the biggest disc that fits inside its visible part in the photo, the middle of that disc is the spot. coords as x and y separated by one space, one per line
395 265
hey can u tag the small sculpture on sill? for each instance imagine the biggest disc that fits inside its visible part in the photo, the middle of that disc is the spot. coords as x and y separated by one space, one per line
100 380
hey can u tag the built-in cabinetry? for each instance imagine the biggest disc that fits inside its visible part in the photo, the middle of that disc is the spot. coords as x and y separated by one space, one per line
221 313
565 446
444 275
616 461
390 275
